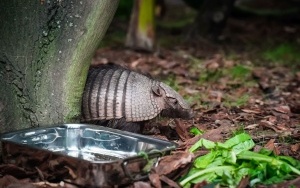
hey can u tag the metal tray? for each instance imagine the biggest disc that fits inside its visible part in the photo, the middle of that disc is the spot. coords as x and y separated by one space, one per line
86 155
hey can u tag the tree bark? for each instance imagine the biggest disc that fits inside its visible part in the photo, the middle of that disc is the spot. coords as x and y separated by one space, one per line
141 32
46 47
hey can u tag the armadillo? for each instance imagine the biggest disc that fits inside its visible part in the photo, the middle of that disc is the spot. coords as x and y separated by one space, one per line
115 92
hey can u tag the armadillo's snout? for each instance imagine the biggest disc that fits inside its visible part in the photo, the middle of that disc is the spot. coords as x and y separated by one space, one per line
187 114
190 114
178 113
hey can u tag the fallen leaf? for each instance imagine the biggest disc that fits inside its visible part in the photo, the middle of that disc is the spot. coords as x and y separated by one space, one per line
154 179
272 119
71 172
271 146
9 181
282 127
268 124
295 147
202 184
169 182
181 129
215 96
252 126
141 184
172 162
251 111
18 172
283 109
244 182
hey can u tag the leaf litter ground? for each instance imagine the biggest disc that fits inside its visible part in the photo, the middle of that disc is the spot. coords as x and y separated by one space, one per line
250 82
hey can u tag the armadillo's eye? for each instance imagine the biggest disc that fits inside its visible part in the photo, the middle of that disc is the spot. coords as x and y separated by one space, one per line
173 101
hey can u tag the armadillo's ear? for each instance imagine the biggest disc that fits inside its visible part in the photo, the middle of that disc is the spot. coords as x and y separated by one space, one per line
157 90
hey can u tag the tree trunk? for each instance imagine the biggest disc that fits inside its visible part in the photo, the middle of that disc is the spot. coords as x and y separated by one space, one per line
46 47
211 18
140 35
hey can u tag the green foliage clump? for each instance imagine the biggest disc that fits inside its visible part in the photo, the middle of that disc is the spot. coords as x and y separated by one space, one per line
238 102
285 53
240 73
171 81
229 162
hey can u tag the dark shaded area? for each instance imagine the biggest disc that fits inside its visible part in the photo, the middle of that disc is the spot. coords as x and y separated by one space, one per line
211 19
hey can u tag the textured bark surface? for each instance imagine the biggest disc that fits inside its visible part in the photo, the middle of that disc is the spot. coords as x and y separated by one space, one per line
45 51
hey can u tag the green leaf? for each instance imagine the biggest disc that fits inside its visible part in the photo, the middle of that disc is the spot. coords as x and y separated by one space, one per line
195 131
208 144
205 160
219 161
227 163
237 140
266 151
254 181
201 172
239 71
290 160
205 177
242 172
231 157
243 146
249 155
202 142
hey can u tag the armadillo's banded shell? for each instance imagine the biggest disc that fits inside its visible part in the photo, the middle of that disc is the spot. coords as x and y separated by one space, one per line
113 92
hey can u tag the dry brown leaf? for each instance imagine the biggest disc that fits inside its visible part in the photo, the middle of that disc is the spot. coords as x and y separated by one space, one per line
295 147
272 119
141 184
12 182
215 135
251 127
268 124
135 63
155 181
188 143
244 182
167 64
251 111
71 172
18 172
172 162
283 109
282 127
215 63
201 185
44 184
169 182
181 129
270 144
215 96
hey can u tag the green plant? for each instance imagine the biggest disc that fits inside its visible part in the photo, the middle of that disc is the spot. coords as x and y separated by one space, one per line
210 76
239 71
233 101
227 163
285 53
171 81
195 131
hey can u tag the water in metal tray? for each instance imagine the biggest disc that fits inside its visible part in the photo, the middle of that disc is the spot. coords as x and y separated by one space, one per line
88 144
